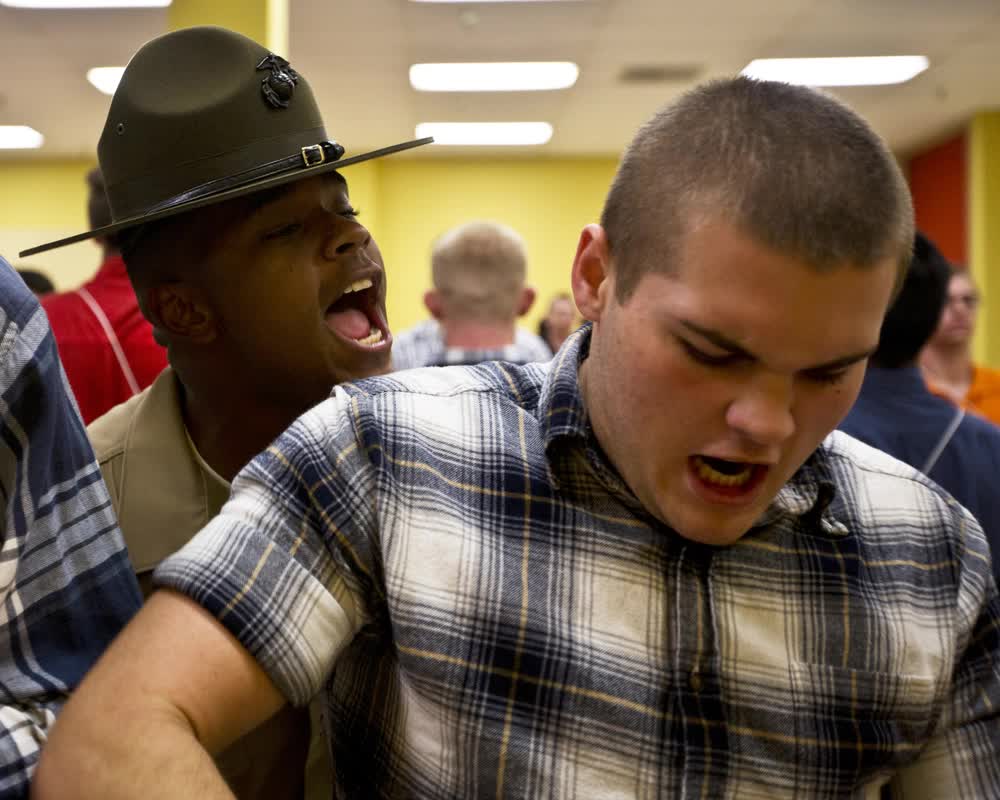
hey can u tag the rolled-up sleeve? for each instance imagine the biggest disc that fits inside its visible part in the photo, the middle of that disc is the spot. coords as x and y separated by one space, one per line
286 565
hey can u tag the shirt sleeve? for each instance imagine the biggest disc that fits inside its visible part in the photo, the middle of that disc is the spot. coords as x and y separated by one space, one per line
962 758
288 565
65 581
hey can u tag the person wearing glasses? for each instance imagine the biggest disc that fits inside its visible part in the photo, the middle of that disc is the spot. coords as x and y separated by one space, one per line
896 413
947 362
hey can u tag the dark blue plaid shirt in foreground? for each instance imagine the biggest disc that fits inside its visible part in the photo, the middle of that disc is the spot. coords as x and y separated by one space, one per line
65 580
494 614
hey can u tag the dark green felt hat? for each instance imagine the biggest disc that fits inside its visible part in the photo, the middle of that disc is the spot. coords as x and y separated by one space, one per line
203 115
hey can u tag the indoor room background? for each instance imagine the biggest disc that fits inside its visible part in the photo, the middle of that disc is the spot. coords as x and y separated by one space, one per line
631 55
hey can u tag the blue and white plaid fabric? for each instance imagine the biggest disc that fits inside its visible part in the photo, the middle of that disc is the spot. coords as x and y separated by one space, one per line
66 584
423 346
494 614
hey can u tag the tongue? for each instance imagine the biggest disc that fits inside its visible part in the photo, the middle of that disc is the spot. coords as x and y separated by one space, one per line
350 323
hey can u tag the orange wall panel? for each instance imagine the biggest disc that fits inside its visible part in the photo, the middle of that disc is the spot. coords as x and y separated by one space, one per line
938 182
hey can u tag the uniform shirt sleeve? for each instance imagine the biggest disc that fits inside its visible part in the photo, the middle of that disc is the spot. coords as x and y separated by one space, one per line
65 581
289 564
962 758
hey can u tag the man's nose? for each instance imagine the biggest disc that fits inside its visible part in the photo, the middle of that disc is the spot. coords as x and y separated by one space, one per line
345 238
762 411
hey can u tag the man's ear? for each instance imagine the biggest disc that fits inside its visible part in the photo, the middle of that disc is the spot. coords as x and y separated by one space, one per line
591 280
181 311
525 301
432 300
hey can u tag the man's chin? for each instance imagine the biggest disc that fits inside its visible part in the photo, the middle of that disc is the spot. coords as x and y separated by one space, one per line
714 530
715 537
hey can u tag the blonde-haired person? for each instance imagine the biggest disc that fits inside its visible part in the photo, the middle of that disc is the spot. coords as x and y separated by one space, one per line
479 292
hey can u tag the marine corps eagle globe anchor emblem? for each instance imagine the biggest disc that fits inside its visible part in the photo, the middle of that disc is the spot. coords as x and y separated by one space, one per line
279 85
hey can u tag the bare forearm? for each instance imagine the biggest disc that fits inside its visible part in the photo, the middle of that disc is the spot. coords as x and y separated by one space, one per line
124 756
173 687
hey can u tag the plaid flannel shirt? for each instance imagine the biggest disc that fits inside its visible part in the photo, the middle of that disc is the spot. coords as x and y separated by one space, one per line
495 615
65 580
423 346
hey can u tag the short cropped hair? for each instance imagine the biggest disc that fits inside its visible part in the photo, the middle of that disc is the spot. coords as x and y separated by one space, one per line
36 280
479 270
914 315
790 166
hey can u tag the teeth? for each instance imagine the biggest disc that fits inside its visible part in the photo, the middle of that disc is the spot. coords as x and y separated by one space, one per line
358 286
374 336
712 475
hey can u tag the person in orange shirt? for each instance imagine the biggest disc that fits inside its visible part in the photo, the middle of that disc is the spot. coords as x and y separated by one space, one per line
946 361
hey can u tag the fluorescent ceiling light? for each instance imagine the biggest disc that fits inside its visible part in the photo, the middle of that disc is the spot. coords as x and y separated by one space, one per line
105 79
19 137
862 71
483 1
486 133
85 3
494 76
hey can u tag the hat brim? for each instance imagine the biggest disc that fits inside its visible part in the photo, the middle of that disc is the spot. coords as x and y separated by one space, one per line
254 186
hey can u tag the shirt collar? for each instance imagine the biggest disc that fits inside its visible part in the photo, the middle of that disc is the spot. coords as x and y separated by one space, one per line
899 382
810 493
112 268
561 411
168 492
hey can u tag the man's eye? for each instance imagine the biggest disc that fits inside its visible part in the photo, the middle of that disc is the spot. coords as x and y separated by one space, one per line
351 212
284 232
827 378
721 360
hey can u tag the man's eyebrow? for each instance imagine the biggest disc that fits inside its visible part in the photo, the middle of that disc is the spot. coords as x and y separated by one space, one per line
260 200
719 340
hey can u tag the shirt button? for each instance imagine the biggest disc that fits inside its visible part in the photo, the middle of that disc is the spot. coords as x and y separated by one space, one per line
695 682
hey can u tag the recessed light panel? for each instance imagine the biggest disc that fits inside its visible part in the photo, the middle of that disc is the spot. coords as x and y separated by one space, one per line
486 133
492 1
851 71
86 3
19 137
105 79
494 76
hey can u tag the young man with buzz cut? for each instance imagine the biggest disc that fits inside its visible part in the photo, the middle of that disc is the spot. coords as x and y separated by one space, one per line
247 256
647 568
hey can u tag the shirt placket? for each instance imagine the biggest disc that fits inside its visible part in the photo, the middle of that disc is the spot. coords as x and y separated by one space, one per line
698 701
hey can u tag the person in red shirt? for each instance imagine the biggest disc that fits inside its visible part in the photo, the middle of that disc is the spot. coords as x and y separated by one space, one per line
105 344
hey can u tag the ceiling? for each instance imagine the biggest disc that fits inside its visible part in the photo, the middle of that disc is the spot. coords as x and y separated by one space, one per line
356 54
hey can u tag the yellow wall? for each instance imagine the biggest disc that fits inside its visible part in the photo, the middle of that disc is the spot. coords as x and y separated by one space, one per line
406 205
984 230
42 201
264 21
547 201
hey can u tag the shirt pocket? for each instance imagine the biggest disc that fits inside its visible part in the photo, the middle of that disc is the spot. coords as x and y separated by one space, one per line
854 727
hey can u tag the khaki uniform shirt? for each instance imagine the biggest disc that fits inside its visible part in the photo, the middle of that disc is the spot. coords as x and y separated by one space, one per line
164 493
